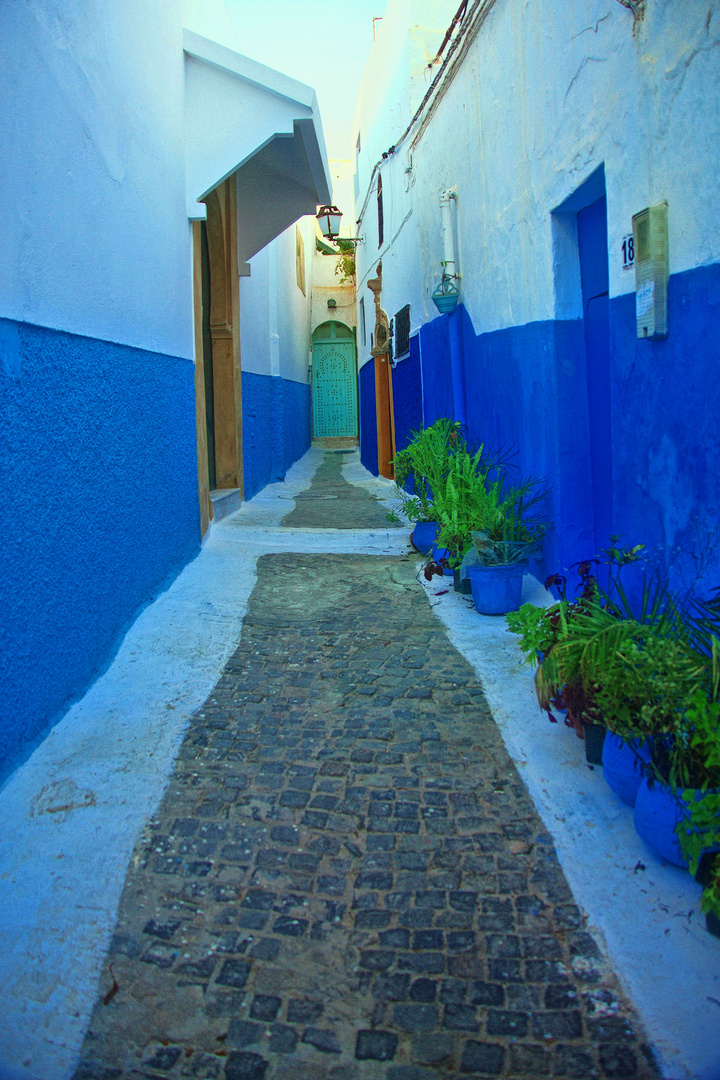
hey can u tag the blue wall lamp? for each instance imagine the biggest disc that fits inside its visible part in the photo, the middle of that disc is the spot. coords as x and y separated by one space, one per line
446 296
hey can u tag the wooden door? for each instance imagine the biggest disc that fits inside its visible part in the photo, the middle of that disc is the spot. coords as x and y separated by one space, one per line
334 382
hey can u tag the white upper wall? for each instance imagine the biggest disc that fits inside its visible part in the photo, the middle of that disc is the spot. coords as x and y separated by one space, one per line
397 77
326 286
96 239
274 311
547 93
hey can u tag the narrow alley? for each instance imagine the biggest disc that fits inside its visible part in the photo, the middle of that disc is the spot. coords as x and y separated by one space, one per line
345 877
282 285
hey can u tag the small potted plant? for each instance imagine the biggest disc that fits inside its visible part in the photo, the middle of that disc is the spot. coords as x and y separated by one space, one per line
421 471
508 533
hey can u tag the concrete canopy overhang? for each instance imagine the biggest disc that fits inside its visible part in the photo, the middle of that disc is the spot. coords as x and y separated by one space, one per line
242 117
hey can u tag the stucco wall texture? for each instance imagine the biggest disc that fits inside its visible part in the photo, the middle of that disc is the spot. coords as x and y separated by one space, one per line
99 511
547 97
526 390
276 428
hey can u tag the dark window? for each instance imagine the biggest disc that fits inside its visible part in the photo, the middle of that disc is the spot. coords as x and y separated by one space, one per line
363 333
381 225
402 331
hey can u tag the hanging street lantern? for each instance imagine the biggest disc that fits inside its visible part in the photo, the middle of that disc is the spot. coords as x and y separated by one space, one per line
329 221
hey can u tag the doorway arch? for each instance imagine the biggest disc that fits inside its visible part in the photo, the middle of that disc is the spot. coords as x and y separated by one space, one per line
334 382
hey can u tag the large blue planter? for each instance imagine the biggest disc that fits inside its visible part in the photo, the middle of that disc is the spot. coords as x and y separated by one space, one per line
623 765
497 589
657 811
424 536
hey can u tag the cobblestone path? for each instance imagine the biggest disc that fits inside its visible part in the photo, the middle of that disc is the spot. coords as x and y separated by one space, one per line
346 878
332 502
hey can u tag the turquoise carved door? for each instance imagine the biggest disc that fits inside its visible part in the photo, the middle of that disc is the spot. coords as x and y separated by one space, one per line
334 382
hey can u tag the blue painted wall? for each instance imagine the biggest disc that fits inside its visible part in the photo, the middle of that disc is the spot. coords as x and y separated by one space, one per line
527 390
526 396
665 431
368 417
276 428
407 395
99 509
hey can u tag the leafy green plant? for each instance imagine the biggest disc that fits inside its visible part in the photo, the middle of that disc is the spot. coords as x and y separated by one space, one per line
543 629
463 502
423 466
536 628
645 679
345 266
711 892
479 508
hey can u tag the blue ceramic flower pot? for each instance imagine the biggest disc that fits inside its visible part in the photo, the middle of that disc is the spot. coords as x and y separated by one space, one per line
497 589
424 536
658 810
623 765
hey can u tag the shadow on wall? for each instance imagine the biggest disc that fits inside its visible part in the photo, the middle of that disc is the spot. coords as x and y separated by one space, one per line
276 428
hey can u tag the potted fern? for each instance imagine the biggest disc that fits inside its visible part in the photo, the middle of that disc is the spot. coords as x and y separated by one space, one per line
421 471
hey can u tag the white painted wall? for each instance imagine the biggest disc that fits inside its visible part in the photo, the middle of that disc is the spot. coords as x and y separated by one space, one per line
274 313
102 116
326 286
546 94
95 235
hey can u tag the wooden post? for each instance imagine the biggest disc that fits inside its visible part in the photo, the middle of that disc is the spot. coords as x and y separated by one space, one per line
384 415
383 382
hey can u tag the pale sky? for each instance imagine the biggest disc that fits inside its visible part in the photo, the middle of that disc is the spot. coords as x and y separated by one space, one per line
324 43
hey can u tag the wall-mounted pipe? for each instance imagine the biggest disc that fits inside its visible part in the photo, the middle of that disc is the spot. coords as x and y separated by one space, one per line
447 198
450 269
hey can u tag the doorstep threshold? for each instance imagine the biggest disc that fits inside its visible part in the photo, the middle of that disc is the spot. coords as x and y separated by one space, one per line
225 501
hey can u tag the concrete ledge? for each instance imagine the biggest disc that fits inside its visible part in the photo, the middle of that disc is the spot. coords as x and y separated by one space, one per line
225 501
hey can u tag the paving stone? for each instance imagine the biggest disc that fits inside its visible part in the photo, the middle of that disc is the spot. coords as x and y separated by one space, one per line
283 1039
433 1049
375 1045
458 1017
245 1066
265 1007
484 1058
344 885
244 1032
234 973
415 1018
322 1039
423 990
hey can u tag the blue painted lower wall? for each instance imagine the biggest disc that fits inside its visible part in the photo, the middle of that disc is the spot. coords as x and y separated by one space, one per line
99 509
276 428
407 395
368 417
527 391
